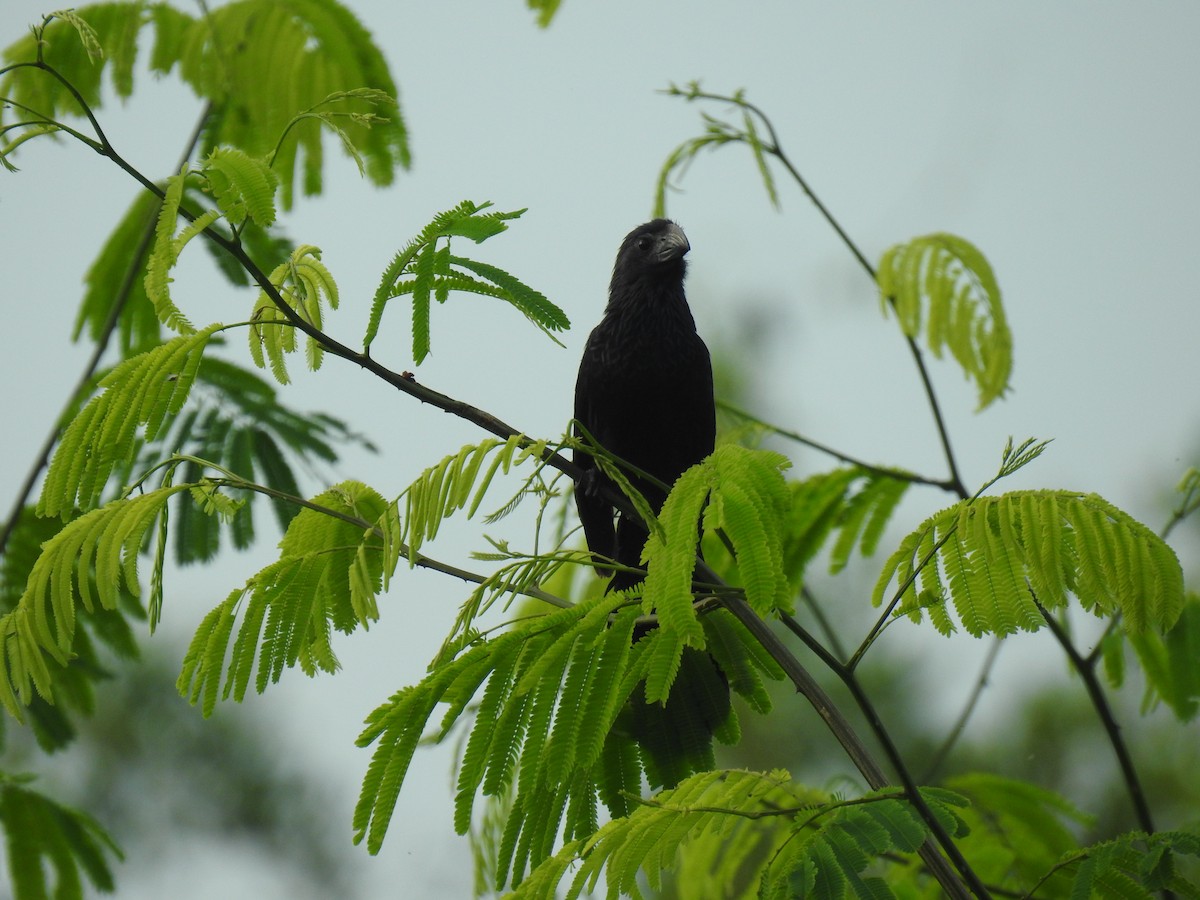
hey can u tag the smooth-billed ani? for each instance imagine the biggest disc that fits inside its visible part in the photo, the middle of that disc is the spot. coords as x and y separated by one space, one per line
645 393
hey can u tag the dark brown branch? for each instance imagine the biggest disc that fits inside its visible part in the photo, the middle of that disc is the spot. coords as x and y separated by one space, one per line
935 861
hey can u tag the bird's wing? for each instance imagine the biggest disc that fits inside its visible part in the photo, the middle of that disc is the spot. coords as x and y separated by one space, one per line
595 512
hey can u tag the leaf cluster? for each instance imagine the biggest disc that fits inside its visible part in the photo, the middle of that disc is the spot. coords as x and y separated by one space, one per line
943 284
995 559
45 838
232 57
425 268
329 571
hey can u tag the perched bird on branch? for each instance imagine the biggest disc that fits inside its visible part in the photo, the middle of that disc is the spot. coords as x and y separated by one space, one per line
645 394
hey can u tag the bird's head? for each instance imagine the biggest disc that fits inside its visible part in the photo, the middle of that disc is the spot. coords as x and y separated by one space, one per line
653 250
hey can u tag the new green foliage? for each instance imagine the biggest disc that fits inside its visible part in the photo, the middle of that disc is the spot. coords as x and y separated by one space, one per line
139 394
329 570
425 268
942 283
292 59
43 623
304 285
803 842
996 558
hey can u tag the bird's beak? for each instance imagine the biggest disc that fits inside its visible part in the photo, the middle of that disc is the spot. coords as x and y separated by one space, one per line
673 244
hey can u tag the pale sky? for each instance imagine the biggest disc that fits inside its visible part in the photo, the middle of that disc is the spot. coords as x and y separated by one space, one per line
1061 139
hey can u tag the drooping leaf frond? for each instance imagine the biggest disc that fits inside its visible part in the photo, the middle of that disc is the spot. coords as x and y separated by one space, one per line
138 327
43 623
141 392
459 481
100 634
942 283
44 837
717 133
742 493
166 249
426 269
305 285
785 839
555 685
327 577
1169 661
996 558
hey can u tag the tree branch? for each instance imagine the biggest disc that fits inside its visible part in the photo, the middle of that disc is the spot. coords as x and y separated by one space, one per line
1087 671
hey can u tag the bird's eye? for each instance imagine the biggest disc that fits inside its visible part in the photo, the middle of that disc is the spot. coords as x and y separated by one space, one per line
643 243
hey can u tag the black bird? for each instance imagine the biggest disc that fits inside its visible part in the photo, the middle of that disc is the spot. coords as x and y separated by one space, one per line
645 393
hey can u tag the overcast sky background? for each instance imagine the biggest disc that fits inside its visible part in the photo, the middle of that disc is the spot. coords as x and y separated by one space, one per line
1062 139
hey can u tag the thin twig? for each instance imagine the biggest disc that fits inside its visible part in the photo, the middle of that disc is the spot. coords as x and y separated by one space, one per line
898 474
775 148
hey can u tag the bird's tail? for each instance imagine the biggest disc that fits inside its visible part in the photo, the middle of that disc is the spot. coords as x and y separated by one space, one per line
676 738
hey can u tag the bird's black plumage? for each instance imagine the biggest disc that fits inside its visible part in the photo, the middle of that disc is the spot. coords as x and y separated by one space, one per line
645 390
645 394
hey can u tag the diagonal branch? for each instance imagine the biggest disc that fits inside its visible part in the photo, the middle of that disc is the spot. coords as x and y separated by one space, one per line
1087 671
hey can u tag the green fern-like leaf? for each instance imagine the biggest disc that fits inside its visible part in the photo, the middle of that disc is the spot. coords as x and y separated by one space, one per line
242 185
326 578
993 556
45 837
141 392
138 327
1018 831
165 253
717 133
543 735
254 97
1133 865
83 44
942 283
426 269
75 685
43 622
865 515
761 822
304 284
459 481
1169 661
327 51
741 492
